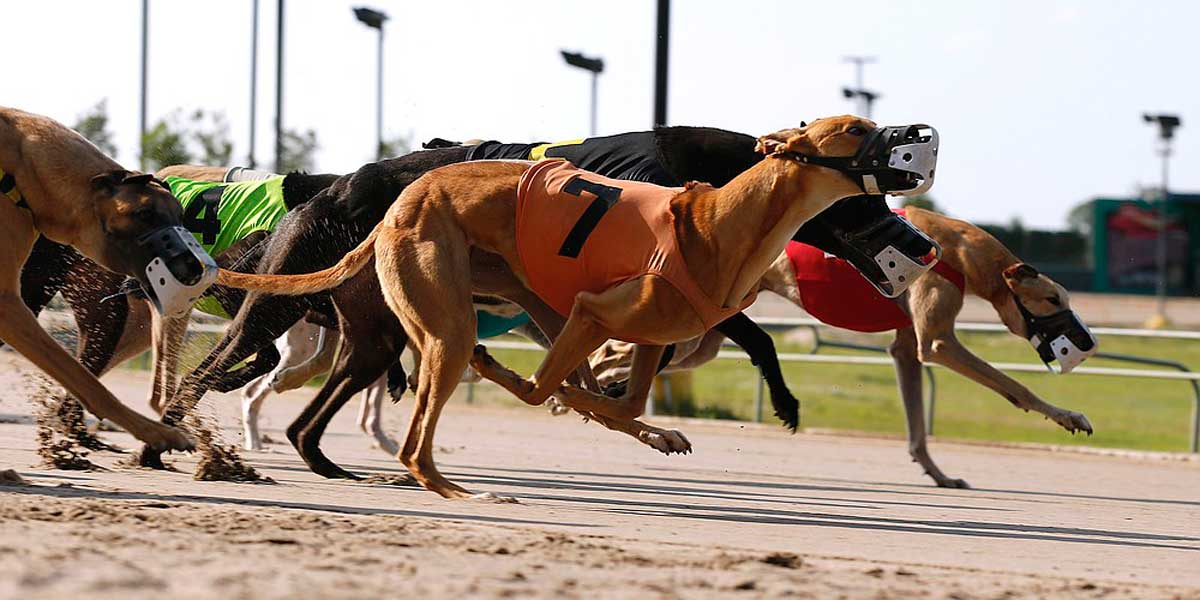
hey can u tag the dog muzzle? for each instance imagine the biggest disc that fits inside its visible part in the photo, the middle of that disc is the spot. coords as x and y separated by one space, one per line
180 272
900 254
899 160
1061 337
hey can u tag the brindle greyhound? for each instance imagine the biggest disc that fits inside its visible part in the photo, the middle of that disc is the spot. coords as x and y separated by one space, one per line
58 184
735 231
344 214
989 270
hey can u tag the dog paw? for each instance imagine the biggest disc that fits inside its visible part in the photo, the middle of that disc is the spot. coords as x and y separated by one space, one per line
667 441
1073 421
162 438
556 408
959 484
495 499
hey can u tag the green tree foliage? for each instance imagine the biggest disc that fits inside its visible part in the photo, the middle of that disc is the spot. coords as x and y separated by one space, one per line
298 150
93 125
396 146
203 137
211 133
1080 219
165 144
921 201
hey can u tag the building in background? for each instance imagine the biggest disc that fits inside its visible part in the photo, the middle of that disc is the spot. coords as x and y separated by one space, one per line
1123 245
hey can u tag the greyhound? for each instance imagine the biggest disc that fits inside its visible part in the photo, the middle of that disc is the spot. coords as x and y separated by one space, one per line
973 262
634 283
59 185
344 214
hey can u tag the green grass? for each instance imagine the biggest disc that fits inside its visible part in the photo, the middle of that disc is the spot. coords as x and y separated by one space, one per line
1125 412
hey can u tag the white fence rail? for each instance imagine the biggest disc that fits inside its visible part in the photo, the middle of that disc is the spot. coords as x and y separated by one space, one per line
1182 374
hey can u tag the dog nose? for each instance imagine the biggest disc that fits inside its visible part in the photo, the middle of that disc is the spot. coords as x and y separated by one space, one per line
186 269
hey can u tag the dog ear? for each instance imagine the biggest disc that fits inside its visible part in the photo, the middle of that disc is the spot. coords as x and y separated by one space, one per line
1020 272
109 180
137 179
786 140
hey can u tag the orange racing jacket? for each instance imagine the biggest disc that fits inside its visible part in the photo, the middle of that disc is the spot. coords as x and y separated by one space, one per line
580 232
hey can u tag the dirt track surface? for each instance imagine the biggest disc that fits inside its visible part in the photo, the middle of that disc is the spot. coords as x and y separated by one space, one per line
754 512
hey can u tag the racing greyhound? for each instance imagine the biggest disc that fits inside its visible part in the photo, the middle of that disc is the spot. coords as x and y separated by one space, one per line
515 211
1030 304
860 229
58 184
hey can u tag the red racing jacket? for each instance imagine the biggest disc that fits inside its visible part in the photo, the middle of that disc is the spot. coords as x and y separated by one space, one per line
835 293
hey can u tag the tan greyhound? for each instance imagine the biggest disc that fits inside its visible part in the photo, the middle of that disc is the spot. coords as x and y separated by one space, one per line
973 262
423 250
58 184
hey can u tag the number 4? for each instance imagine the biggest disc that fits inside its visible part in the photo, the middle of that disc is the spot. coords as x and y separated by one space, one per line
606 197
207 225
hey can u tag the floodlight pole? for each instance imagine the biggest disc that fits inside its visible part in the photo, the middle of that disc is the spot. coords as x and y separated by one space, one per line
253 81
374 19
593 65
279 91
1160 246
864 98
142 104
662 47
1166 132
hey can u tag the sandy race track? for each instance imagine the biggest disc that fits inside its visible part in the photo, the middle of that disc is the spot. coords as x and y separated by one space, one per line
753 513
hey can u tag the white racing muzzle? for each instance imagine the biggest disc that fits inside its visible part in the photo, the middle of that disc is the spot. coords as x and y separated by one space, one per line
902 253
180 272
1061 337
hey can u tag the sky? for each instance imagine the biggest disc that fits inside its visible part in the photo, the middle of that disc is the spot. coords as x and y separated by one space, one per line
1038 103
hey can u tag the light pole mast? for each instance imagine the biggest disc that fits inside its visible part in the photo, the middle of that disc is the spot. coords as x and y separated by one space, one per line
253 81
593 65
374 19
1166 132
142 105
864 98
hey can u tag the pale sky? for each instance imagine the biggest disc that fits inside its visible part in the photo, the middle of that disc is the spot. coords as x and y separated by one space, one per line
1038 102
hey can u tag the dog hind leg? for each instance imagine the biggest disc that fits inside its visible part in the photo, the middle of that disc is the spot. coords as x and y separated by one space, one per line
908 379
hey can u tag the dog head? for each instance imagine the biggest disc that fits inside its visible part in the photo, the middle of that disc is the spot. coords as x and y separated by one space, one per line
829 137
1039 294
1044 317
141 221
897 159
129 206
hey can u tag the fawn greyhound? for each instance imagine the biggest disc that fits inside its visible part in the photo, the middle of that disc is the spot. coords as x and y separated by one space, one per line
423 257
58 184
1030 304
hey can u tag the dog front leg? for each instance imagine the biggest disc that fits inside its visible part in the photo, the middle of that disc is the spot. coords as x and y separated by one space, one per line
908 379
168 337
946 350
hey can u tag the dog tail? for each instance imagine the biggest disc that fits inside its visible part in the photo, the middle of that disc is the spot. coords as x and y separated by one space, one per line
308 283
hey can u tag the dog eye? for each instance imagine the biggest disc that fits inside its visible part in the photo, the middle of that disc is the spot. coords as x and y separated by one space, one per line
856 130
1054 301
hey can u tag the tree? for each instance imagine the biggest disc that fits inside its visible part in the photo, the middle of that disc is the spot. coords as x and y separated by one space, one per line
1080 218
921 201
298 148
396 146
93 125
203 138
165 144
211 132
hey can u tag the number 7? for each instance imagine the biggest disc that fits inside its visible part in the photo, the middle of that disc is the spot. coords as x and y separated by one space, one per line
606 197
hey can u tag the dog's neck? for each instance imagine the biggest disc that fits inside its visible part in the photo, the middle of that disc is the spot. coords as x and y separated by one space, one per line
731 235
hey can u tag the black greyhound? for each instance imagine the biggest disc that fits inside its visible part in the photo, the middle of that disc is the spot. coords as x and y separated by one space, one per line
318 234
